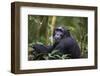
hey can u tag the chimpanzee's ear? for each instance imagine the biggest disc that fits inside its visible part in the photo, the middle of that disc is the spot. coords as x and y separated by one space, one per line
66 33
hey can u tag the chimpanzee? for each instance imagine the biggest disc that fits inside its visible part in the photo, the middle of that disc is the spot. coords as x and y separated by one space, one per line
63 42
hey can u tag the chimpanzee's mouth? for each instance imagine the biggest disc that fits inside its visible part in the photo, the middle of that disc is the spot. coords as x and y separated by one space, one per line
57 40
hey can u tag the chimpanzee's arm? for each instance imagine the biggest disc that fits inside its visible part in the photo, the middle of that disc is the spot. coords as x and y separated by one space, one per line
42 48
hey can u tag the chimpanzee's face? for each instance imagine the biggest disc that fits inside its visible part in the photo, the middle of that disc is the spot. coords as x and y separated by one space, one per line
58 35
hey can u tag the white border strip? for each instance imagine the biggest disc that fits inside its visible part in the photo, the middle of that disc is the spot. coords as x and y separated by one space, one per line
25 64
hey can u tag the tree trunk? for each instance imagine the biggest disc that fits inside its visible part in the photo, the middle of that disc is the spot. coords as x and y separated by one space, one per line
53 22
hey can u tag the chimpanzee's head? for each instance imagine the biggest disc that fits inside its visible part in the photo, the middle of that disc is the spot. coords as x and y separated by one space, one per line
60 33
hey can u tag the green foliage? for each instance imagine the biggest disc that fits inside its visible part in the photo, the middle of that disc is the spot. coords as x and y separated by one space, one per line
40 29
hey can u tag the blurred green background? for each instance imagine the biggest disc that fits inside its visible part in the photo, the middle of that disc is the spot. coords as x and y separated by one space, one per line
40 30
